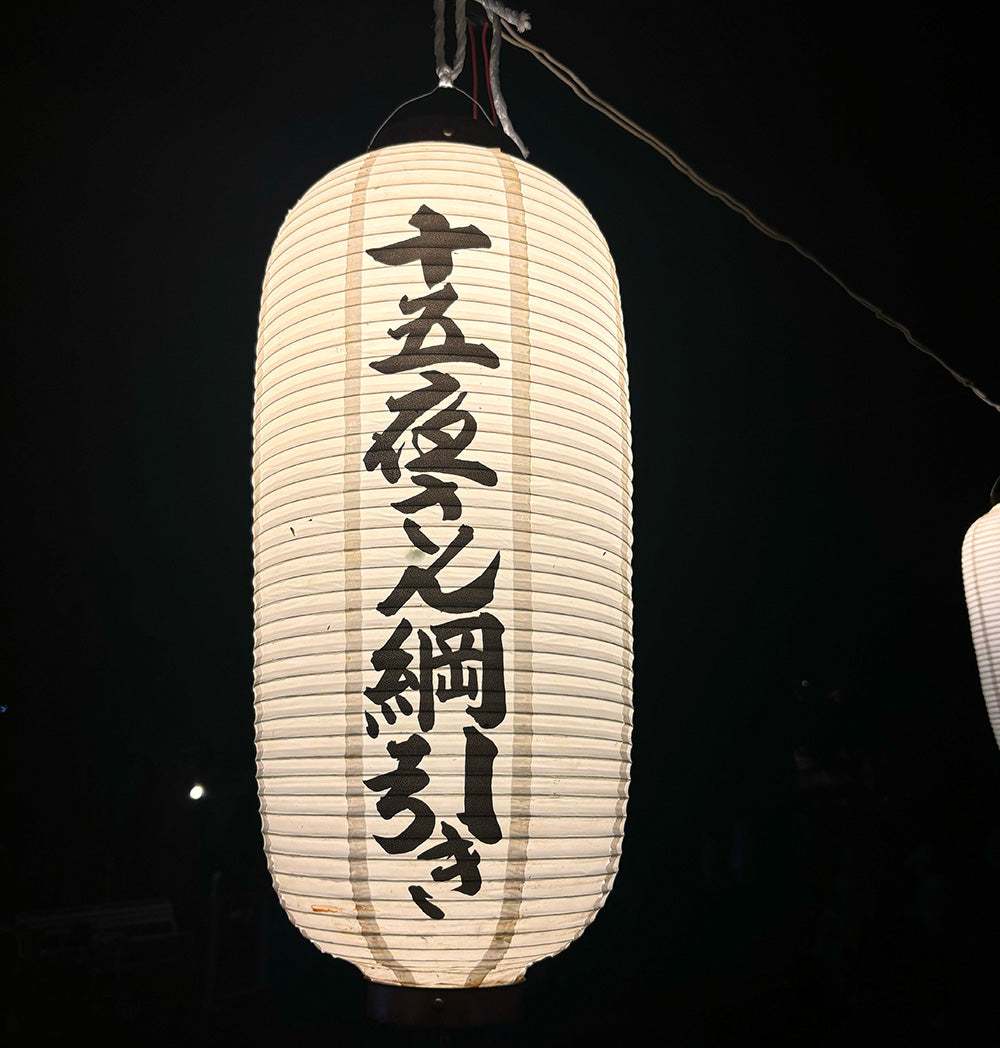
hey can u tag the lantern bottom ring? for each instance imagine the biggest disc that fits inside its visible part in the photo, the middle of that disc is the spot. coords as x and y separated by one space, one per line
431 1007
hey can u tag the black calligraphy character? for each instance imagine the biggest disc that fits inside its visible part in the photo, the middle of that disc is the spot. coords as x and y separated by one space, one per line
415 354
422 898
401 785
443 456
479 815
466 865
436 493
423 581
433 246
383 454
463 680
392 660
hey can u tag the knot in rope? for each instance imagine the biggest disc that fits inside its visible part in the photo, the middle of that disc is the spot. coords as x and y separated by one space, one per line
519 20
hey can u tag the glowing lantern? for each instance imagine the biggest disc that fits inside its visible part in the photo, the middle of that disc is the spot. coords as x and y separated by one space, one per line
442 566
981 571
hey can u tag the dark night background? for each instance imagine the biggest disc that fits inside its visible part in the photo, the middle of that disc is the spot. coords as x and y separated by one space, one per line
812 863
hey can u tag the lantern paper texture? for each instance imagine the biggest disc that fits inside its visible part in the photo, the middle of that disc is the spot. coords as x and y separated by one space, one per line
442 534
981 571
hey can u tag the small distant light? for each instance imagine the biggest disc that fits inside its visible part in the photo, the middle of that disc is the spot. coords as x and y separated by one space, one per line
196 792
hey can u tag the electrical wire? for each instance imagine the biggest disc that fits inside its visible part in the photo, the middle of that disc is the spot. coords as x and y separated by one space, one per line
583 92
417 98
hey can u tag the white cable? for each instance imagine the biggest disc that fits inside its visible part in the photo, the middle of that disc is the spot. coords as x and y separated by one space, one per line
582 91
447 74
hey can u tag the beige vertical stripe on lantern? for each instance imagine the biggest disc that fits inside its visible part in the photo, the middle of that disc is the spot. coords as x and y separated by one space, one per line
520 809
357 832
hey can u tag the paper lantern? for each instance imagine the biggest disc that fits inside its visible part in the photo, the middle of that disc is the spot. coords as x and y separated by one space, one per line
981 572
442 566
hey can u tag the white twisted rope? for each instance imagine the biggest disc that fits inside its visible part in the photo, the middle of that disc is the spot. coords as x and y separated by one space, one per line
447 74
498 101
519 20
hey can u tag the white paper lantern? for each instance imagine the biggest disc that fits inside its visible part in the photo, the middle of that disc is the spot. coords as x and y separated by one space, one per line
442 534
981 571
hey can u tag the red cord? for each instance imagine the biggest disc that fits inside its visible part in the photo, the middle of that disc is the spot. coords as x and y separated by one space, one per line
489 88
475 76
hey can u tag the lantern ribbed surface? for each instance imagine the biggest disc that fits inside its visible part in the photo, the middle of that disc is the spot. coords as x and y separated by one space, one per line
981 572
442 534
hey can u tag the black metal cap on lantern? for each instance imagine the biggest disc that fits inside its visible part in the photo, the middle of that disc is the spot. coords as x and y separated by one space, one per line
443 115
